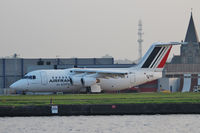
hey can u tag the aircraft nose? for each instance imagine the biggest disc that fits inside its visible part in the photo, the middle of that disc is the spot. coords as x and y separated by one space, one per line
18 85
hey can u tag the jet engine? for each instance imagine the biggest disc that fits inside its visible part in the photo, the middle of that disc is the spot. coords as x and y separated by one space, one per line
85 81
88 81
75 81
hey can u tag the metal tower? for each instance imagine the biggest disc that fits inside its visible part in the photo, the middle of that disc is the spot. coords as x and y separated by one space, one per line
140 40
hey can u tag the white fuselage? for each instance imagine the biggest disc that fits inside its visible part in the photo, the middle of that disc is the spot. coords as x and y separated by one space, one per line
59 80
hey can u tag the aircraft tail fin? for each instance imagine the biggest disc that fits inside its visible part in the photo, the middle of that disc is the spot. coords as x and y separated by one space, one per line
156 56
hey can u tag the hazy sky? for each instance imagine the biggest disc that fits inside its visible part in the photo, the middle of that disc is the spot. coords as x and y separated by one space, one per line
90 28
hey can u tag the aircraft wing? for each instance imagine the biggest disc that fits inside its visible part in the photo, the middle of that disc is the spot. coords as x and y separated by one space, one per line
100 72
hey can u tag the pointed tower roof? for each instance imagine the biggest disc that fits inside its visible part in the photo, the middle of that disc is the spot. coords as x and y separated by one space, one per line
191 35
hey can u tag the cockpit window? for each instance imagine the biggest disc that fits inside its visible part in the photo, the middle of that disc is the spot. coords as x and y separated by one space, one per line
29 77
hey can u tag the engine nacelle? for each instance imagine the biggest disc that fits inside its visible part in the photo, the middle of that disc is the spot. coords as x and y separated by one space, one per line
76 81
88 81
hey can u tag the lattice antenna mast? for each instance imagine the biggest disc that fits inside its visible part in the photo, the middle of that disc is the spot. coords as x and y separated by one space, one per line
140 40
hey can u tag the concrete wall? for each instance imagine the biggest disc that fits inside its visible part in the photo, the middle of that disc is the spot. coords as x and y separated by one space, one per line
101 109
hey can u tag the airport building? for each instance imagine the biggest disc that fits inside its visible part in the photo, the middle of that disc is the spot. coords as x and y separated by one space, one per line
183 72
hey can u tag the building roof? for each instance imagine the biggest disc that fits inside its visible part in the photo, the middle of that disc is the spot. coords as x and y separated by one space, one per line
191 35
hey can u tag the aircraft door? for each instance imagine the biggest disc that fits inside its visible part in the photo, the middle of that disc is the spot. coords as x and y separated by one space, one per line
43 78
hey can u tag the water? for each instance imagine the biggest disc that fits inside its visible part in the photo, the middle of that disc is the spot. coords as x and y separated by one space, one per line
102 124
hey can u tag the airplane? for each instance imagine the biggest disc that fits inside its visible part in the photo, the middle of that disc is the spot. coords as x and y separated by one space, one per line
96 80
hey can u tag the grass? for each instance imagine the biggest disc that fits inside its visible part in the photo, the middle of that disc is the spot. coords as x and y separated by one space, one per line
123 98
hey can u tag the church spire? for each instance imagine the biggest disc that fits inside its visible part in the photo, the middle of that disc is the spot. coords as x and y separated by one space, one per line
191 35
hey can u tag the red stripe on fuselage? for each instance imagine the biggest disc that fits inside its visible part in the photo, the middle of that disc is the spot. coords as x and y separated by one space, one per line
162 63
